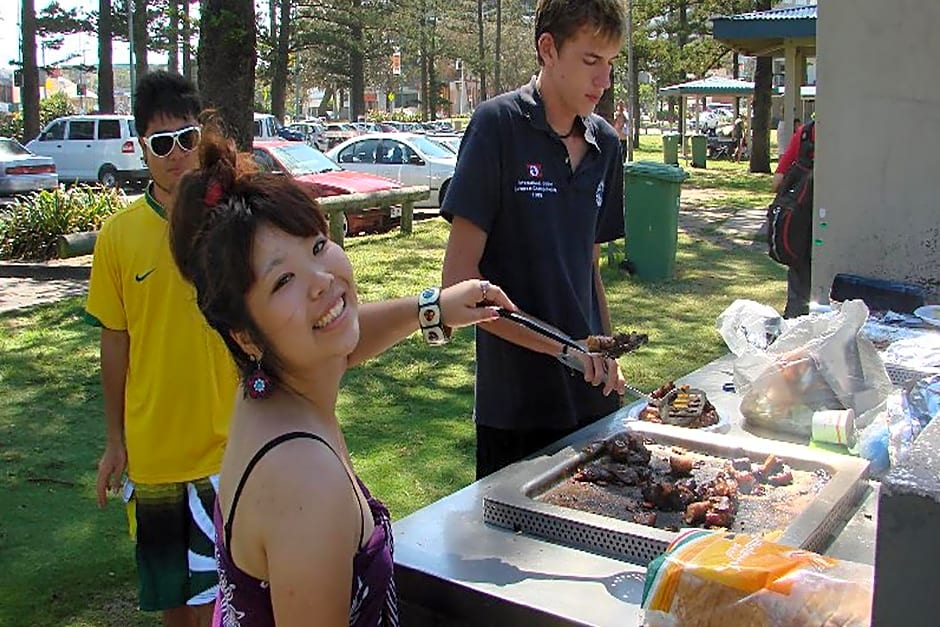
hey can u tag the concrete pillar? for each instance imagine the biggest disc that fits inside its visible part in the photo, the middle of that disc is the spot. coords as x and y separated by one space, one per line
907 548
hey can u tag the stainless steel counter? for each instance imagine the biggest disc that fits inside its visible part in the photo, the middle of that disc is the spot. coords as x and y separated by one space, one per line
452 569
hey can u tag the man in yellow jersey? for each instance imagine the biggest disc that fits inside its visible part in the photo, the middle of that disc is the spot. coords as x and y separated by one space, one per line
168 380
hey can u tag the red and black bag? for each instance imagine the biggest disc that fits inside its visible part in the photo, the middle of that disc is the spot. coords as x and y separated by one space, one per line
790 215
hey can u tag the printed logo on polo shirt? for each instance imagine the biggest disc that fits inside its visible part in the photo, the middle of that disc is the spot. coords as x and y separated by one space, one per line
599 194
141 277
532 184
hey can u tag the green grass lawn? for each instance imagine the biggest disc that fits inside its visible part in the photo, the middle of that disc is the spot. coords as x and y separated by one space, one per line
406 414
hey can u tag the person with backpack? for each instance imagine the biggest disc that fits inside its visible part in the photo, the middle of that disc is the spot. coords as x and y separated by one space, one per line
790 218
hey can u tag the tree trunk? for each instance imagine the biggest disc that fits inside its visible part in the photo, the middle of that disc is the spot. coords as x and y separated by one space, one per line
481 50
324 107
736 74
141 38
105 60
760 124
423 48
173 36
279 79
605 106
227 55
683 33
497 81
29 92
272 20
432 83
186 36
357 79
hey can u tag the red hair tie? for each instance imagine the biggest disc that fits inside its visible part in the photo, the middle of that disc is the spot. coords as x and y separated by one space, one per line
213 193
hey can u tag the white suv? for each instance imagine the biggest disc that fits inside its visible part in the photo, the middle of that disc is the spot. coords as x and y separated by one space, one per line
101 148
266 126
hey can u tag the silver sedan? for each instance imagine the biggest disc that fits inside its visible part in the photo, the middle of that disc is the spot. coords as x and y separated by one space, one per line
22 171
407 158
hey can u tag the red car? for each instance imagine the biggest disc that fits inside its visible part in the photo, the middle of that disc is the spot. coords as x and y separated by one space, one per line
311 167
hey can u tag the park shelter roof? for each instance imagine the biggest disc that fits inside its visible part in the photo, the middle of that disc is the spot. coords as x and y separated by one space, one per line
807 92
762 33
710 86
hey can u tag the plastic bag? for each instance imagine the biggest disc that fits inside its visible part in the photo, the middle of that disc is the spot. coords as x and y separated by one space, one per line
818 362
715 579
747 325
893 426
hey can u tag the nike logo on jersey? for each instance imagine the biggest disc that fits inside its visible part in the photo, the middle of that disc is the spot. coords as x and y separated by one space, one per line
141 277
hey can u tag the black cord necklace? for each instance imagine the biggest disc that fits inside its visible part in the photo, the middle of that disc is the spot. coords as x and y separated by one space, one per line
570 132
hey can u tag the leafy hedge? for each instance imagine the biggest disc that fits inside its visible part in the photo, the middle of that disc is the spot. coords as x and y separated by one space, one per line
55 106
30 228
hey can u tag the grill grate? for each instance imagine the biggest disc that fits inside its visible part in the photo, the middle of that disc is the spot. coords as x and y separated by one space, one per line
632 547
511 504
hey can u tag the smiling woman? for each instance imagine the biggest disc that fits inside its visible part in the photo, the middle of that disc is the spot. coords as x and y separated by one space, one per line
284 300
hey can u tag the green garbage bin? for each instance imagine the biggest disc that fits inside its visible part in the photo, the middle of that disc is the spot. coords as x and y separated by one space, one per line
651 218
699 151
671 149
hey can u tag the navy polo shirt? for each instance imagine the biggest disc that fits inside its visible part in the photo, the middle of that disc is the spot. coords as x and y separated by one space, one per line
514 181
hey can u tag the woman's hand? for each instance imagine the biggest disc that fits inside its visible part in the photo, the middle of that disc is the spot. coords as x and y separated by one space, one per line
471 302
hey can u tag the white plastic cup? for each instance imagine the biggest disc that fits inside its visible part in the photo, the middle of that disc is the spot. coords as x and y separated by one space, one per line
835 426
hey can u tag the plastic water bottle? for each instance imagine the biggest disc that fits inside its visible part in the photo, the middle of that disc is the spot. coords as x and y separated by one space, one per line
873 446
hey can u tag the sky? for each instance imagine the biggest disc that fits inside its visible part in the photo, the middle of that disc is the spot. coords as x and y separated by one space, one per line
81 44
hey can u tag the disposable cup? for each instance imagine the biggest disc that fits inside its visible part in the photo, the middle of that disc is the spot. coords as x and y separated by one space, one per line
836 426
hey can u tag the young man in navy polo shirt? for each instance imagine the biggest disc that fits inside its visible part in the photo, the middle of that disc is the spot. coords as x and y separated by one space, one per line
538 188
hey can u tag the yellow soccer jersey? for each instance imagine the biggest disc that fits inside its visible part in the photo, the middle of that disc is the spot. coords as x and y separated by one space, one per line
181 380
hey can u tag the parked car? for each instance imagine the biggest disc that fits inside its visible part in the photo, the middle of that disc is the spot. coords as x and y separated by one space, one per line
313 133
407 158
266 126
311 167
290 134
87 148
450 141
21 171
338 132
386 127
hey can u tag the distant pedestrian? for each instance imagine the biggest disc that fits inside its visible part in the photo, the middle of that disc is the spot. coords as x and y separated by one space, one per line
622 126
739 137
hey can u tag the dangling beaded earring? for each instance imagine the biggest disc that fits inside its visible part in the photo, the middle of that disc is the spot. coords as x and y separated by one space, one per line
258 384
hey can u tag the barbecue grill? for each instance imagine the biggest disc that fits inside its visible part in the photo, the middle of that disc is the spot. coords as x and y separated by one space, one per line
517 502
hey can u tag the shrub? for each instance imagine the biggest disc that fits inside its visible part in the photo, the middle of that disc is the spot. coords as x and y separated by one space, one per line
11 125
34 223
55 106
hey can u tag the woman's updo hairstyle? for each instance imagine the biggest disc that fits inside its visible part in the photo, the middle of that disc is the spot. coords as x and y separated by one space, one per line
218 209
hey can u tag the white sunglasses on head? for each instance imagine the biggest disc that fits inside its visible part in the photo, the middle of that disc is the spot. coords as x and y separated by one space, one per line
161 144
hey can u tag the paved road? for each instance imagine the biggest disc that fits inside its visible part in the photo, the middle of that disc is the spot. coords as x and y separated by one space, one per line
22 293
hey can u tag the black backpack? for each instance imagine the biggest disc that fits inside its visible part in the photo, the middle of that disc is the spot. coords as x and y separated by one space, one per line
790 215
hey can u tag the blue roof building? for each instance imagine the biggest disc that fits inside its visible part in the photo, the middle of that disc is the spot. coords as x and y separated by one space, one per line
789 32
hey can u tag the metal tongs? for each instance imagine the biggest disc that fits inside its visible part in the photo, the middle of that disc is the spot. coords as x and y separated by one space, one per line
566 357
